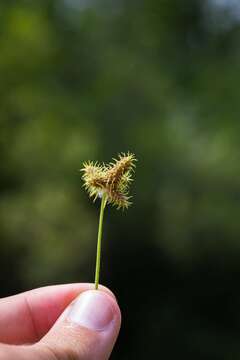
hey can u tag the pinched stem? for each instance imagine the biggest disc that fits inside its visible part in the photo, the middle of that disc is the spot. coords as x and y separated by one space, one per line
99 239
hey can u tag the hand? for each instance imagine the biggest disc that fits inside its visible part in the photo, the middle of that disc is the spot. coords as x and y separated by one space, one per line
59 323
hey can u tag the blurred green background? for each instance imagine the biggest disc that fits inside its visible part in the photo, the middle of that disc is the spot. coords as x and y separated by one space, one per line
85 79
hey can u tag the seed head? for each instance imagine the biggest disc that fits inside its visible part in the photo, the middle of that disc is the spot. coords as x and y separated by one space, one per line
112 179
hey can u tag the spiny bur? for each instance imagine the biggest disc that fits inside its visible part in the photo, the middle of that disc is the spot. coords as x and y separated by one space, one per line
112 179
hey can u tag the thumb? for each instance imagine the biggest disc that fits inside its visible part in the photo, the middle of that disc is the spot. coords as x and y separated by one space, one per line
87 329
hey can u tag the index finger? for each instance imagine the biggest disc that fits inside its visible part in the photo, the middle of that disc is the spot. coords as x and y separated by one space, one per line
27 317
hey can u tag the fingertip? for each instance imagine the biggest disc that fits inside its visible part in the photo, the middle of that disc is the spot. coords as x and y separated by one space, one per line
88 327
95 310
108 291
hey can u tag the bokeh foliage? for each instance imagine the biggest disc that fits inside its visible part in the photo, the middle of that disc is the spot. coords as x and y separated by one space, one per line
85 80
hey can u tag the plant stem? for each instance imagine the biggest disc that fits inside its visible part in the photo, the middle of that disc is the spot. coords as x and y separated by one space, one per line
99 240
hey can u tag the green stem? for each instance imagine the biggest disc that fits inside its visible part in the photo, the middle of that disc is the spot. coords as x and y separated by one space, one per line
99 240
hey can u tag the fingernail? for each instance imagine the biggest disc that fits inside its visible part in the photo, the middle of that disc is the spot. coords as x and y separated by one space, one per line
92 309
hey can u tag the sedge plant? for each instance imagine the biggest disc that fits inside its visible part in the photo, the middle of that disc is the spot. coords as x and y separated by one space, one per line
110 182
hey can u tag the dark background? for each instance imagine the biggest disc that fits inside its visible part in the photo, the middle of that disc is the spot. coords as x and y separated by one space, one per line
85 80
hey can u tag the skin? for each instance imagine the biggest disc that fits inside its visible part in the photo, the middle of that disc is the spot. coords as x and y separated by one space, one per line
35 325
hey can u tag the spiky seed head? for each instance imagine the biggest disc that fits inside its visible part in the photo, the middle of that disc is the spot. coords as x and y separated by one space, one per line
112 179
119 169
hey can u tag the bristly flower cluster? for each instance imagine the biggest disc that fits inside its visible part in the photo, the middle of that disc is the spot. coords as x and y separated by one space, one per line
112 179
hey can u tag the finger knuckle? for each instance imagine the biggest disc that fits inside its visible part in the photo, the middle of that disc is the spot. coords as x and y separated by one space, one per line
61 354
